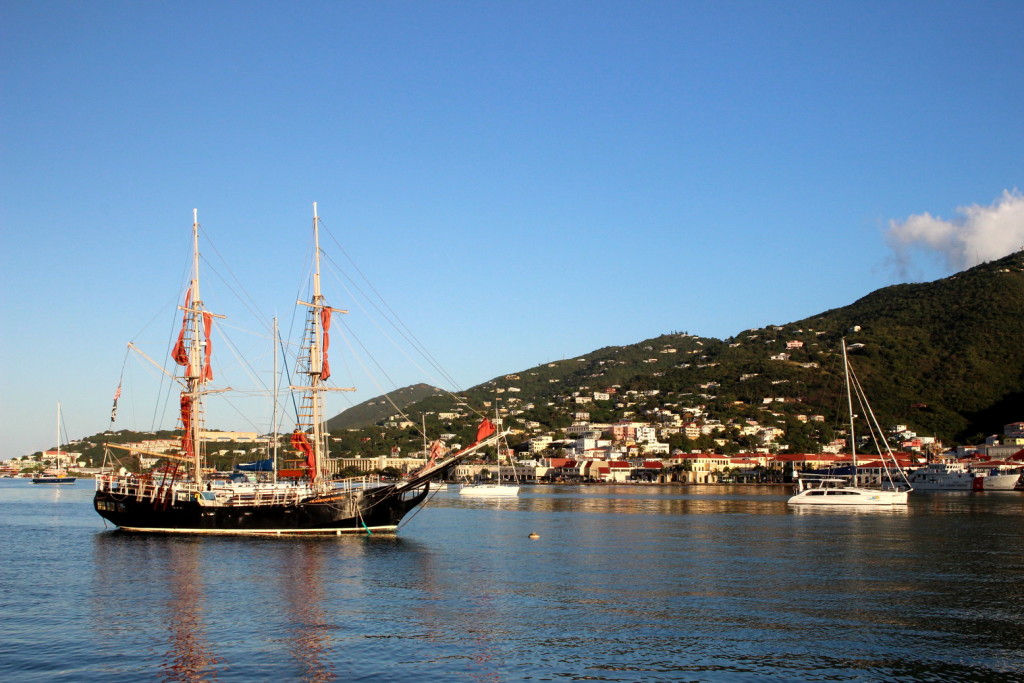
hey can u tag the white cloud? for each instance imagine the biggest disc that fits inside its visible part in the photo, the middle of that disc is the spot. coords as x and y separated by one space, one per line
978 234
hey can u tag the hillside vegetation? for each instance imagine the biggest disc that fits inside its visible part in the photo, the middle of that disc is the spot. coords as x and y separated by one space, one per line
374 410
945 357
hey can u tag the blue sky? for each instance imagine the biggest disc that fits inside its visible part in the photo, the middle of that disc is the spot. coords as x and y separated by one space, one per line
522 182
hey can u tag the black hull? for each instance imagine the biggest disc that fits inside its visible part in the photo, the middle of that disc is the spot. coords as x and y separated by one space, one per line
372 511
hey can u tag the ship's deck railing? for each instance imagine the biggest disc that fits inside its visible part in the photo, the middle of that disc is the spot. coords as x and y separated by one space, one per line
220 493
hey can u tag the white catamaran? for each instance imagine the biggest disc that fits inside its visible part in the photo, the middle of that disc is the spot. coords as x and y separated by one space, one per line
815 489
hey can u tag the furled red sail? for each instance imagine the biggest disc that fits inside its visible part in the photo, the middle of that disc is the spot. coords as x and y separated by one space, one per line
180 353
186 426
300 442
207 373
325 319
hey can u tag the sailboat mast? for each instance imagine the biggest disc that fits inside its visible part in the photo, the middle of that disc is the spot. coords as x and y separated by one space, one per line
58 436
274 425
849 403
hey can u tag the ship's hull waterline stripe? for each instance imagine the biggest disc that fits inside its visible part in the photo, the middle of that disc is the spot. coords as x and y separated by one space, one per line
261 532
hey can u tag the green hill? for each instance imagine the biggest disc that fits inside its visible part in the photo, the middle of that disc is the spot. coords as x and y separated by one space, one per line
378 409
954 348
944 357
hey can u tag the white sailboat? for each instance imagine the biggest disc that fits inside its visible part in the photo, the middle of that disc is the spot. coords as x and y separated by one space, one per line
493 489
56 474
487 490
841 490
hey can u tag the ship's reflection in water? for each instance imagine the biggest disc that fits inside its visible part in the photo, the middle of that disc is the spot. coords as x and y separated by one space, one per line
148 585
188 656
203 609
309 631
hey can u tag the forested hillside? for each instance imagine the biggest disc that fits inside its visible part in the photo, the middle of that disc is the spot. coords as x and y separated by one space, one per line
945 357
375 410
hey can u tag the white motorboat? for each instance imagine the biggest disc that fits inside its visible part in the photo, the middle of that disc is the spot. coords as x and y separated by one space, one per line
958 476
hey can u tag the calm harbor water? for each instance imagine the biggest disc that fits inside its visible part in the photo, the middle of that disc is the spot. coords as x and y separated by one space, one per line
624 584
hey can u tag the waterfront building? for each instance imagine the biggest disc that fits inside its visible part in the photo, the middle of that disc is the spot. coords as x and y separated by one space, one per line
370 464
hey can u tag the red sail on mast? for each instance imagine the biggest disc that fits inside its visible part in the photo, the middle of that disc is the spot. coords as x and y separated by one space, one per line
485 429
186 426
180 353
207 373
300 442
325 319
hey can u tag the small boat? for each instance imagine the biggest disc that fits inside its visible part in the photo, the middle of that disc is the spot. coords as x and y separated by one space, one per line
55 475
493 489
301 499
54 479
815 489
489 490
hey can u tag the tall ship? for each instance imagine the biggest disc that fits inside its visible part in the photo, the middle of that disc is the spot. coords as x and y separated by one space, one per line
958 476
303 500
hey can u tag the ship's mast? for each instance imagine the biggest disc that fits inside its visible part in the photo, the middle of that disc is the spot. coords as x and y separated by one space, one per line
316 365
195 353
192 370
312 414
